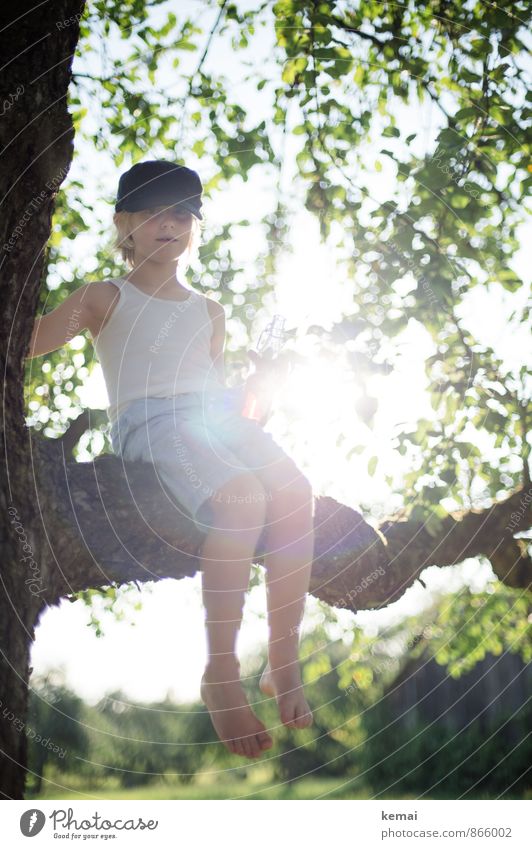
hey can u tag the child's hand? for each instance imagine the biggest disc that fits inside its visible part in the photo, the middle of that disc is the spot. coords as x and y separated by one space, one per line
269 370
267 378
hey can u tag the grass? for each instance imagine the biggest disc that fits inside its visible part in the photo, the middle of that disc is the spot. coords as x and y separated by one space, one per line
306 789
311 788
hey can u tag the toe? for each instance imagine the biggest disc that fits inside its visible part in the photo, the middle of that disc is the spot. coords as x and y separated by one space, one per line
254 748
287 717
266 688
231 745
247 746
304 719
259 744
265 741
287 713
238 747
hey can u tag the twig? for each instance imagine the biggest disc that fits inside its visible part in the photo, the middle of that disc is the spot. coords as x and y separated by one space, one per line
200 63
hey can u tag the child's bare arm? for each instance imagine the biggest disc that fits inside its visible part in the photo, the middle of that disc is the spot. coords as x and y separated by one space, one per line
57 328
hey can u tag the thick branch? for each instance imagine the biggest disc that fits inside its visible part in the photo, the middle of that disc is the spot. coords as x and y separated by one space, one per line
478 533
110 521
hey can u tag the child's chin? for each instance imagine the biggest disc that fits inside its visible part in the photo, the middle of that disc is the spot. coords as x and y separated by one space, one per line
166 252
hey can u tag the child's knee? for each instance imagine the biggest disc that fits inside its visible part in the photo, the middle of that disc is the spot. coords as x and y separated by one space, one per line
240 503
285 480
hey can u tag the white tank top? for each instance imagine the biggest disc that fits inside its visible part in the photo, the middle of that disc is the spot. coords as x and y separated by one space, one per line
154 347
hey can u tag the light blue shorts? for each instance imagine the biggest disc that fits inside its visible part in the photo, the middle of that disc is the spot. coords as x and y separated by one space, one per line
197 442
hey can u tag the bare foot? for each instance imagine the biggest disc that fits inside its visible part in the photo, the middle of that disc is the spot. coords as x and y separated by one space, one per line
285 684
234 721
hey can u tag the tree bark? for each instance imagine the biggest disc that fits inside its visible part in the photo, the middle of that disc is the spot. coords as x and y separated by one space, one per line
112 521
37 45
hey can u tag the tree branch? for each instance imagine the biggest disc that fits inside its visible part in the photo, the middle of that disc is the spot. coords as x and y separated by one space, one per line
112 522
201 62
368 36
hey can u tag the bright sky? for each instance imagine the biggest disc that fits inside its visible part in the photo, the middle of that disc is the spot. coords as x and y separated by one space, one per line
315 409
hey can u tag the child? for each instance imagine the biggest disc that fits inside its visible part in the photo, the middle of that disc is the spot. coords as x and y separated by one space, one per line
160 344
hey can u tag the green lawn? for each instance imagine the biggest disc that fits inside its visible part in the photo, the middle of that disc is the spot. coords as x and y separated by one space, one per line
329 788
307 789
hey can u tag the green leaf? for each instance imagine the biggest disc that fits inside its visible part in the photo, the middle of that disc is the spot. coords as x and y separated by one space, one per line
293 69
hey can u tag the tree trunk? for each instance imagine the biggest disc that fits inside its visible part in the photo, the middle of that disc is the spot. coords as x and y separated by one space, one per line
36 134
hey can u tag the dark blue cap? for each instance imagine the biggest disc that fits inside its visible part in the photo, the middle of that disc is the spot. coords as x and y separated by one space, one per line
159 183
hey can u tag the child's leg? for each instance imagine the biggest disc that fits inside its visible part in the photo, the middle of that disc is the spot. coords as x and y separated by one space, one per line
288 563
226 563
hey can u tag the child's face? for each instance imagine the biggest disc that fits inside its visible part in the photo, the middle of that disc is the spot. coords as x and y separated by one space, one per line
162 233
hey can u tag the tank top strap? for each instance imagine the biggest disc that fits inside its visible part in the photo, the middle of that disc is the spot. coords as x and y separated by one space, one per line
117 281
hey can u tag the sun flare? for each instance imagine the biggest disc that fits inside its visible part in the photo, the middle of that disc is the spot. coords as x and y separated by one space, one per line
318 391
316 411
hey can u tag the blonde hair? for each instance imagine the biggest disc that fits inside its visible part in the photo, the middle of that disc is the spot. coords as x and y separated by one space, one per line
126 222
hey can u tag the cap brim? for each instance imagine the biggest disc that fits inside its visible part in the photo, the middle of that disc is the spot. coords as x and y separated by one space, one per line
134 204
190 208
